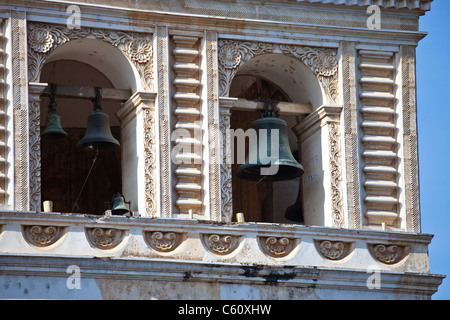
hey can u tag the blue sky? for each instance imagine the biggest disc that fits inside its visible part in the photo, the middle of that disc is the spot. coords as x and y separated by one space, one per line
433 89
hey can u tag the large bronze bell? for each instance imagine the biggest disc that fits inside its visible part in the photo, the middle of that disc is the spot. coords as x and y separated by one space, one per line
284 163
98 132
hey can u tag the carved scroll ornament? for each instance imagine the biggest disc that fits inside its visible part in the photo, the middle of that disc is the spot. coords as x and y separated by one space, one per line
43 38
221 244
277 247
42 236
163 241
322 61
388 253
334 250
105 238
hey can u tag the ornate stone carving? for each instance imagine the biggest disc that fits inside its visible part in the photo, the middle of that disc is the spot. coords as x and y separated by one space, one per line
277 247
334 250
322 61
232 54
226 195
410 147
165 164
20 111
3 121
43 38
220 244
350 130
150 162
163 241
35 154
105 238
213 126
388 253
42 236
336 175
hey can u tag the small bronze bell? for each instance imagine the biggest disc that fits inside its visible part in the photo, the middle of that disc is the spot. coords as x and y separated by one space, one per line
53 129
98 132
286 167
119 207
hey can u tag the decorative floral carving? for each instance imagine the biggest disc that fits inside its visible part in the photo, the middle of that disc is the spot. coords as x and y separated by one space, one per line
40 39
221 244
105 238
163 241
140 51
277 247
334 250
229 54
43 38
42 236
388 253
325 65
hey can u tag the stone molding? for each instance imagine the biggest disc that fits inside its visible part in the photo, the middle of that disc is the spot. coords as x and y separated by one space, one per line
192 277
249 243
424 5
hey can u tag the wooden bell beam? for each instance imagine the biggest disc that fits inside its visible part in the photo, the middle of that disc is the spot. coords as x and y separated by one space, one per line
83 92
284 107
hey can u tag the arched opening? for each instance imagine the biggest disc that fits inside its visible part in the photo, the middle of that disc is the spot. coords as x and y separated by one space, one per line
64 167
280 78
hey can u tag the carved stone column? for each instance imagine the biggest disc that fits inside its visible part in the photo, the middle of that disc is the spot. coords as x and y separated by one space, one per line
410 147
139 153
187 138
349 96
226 192
20 113
163 107
214 146
322 182
34 92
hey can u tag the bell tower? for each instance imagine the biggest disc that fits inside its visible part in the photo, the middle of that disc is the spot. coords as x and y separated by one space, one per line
261 150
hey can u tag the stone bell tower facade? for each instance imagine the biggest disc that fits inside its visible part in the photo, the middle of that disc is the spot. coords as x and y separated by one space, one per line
177 77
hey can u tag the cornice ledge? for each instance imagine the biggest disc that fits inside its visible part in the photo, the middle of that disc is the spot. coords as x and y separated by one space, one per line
424 5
